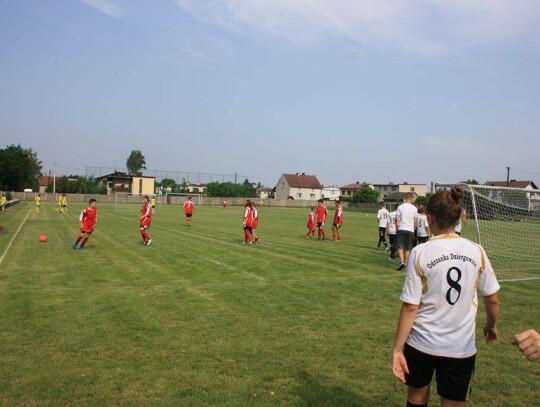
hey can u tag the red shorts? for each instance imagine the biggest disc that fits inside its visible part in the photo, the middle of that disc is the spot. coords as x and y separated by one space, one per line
254 224
87 229
146 223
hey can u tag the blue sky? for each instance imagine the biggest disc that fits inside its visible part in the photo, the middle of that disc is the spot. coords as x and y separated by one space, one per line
347 90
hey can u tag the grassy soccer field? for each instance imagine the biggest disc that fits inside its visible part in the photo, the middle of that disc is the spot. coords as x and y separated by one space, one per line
199 319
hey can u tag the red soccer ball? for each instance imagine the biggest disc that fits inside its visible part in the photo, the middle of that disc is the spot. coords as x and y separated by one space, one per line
43 238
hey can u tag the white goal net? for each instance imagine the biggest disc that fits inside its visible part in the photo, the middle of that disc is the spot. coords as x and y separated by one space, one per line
506 222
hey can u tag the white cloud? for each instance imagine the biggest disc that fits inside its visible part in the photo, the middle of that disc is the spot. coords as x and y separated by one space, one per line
105 6
422 26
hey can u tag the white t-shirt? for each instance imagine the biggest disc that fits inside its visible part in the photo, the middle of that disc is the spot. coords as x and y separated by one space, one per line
392 223
382 217
406 212
421 230
442 278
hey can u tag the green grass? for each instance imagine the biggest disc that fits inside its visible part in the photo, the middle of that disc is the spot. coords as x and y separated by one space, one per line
199 319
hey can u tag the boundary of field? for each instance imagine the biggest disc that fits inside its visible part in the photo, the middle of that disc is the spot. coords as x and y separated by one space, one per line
14 236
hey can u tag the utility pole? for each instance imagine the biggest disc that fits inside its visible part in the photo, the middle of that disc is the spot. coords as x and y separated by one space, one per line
54 178
507 176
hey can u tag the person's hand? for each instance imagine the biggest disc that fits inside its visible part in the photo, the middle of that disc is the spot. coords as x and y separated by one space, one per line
491 335
399 365
529 343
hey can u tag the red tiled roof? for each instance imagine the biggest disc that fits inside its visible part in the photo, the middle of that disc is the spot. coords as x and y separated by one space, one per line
44 180
303 181
511 184
355 186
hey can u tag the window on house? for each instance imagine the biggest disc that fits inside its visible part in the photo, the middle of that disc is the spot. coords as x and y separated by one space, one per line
140 186
412 189
312 196
385 188
299 194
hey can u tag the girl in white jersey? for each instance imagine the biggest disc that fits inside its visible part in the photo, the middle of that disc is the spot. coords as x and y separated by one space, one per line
437 320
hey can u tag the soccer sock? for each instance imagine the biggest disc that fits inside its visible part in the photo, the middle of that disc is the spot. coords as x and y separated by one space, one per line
79 238
145 235
409 404
84 241
323 233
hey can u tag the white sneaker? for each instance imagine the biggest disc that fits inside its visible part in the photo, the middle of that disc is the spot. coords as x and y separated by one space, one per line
387 249
149 241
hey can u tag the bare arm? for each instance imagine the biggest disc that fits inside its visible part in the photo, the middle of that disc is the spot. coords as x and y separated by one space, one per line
491 303
529 343
406 320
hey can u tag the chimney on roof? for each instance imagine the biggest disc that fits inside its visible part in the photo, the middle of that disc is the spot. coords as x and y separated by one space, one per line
297 173
390 183
512 180
405 183
357 182
303 173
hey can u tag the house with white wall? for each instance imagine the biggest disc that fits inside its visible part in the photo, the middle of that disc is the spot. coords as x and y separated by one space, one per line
298 186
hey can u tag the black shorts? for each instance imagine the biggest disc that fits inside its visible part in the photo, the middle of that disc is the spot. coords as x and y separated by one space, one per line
248 228
320 224
453 375
422 239
404 239
188 215
337 226
88 232
145 227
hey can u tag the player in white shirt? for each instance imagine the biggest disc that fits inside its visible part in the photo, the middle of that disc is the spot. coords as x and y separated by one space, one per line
436 329
382 219
391 230
406 220
422 228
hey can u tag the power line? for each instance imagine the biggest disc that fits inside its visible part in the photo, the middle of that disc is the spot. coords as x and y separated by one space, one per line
525 172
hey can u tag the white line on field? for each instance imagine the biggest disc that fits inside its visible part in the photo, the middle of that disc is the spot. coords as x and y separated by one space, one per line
14 236
254 276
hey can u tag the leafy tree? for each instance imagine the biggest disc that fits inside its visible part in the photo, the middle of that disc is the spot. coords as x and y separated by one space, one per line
167 183
230 189
470 182
365 195
76 184
19 168
135 162
422 199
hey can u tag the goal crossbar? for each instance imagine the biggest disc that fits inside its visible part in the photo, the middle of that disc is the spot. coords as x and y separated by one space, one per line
506 222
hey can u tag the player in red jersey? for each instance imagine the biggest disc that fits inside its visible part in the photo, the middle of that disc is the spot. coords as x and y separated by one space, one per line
247 222
338 222
254 223
189 208
225 204
322 213
311 225
88 221
146 220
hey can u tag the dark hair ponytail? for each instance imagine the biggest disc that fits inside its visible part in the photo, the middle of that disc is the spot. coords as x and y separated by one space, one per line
446 207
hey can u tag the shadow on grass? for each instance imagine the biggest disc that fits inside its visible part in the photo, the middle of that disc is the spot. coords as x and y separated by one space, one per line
314 392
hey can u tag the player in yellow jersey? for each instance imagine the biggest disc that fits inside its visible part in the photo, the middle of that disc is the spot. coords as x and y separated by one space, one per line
38 202
3 201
